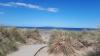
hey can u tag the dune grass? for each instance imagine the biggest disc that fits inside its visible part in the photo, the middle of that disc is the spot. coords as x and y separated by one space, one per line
61 41
9 37
68 42
33 34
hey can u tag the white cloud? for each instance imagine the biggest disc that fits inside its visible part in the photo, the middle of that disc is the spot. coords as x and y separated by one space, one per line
32 6
52 9
2 4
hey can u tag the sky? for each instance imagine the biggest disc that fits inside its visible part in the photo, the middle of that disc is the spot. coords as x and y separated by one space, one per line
50 13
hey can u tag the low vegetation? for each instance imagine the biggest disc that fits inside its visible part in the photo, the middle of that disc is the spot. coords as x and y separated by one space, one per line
69 42
60 42
10 37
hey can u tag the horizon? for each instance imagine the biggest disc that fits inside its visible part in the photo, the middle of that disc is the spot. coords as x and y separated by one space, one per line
50 13
47 27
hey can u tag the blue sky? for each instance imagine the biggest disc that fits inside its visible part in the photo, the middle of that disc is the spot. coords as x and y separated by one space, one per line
55 13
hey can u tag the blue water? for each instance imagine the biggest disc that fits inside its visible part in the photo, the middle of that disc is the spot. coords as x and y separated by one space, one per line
60 28
50 28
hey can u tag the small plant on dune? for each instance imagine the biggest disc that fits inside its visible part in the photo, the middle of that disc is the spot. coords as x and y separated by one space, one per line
64 42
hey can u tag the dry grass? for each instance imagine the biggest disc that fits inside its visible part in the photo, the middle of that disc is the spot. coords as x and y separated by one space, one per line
33 34
68 42
7 44
9 37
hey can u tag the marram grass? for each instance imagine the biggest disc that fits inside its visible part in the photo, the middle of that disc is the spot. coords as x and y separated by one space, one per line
68 42
9 37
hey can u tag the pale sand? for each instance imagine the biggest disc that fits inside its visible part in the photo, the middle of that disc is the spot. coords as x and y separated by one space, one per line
26 50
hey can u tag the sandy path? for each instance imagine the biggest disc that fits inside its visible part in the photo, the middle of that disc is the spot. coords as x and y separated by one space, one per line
26 50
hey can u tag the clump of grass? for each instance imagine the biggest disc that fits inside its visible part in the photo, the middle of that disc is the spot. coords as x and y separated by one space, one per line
64 42
68 42
6 45
15 35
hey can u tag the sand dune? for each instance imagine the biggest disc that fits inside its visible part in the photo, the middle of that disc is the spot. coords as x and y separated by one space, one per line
30 50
